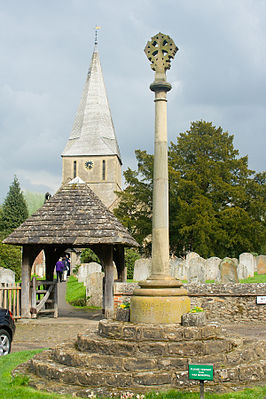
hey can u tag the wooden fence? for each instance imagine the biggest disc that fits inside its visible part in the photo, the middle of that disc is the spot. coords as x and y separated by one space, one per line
10 298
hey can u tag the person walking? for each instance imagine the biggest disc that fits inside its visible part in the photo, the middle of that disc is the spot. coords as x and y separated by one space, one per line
65 268
59 269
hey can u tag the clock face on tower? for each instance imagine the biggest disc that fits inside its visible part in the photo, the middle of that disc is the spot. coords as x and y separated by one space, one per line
89 164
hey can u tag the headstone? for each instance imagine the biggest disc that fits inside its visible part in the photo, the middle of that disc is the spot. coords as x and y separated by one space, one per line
212 268
242 271
179 268
7 276
248 260
228 271
94 289
142 269
235 260
261 264
86 269
191 255
196 270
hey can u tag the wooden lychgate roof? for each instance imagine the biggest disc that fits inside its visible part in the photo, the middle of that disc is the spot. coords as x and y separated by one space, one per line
74 216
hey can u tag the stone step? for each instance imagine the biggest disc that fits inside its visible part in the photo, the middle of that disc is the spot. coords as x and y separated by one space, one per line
44 367
67 355
147 332
94 361
93 343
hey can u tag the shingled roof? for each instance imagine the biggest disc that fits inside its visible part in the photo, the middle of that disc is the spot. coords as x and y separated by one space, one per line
74 216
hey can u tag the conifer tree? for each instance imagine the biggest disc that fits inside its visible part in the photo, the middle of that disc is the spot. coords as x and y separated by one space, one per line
14 209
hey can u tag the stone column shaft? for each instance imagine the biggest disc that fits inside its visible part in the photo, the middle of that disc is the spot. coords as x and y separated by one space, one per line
160 218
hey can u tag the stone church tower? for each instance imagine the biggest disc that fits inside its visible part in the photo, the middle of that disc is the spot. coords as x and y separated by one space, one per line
92 152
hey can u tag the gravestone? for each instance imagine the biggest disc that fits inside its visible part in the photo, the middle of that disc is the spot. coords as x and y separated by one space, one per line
7 276
242 271
212 268
228 271
261 264
191 255
142 269
86 269
94 289
196 270
179 268
248 260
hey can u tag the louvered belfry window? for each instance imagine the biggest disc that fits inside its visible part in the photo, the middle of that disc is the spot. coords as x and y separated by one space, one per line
104 170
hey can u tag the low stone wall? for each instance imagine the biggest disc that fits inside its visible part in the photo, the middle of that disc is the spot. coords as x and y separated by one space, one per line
227 302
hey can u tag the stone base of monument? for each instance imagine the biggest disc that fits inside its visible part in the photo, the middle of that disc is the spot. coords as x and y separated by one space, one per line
159 301
158 310
127 357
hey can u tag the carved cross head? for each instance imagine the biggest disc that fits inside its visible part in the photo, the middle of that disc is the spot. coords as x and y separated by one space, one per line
160 50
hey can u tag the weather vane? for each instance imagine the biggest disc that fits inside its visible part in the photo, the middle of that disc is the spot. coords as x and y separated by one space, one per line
96 34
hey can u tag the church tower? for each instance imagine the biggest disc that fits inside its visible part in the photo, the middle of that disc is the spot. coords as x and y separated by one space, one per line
92 152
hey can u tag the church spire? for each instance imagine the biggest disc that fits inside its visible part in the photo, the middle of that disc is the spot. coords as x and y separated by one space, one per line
92 151
93 131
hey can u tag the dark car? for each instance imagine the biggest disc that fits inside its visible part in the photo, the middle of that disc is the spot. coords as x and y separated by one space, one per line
7 331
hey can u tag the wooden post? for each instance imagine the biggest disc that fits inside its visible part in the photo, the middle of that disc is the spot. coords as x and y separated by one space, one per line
201 389
108 281
25 282
55 300
33 299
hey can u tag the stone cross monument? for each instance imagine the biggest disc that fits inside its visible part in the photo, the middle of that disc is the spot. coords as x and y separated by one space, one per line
161 298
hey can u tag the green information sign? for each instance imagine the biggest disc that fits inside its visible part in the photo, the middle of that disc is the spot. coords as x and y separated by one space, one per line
200 372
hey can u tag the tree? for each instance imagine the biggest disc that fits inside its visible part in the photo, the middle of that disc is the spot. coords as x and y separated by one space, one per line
14 210
216 204
10 257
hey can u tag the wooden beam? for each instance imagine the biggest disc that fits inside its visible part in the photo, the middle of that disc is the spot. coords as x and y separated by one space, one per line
107 258
25 281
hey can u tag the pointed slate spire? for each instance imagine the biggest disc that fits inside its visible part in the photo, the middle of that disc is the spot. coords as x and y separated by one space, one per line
93 130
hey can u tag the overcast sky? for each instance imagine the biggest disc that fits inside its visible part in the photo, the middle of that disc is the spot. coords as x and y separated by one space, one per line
218 75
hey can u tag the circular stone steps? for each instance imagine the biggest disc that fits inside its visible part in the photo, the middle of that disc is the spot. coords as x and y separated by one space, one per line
138 358
92 343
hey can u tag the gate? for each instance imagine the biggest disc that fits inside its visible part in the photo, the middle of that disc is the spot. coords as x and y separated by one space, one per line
44 297
10 295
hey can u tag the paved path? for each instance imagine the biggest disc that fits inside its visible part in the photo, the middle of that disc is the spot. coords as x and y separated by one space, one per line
47 332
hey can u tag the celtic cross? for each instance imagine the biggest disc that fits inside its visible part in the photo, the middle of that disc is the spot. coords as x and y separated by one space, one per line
160 50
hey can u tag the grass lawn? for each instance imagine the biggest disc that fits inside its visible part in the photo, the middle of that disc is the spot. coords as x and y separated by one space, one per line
16 388
75 290
76 294
258 278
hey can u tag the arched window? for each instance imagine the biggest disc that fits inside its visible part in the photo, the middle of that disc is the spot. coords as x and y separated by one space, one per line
104 170
75 169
